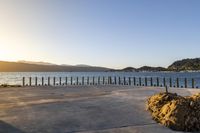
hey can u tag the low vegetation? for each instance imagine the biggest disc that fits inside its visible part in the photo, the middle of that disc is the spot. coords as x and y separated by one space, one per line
185 65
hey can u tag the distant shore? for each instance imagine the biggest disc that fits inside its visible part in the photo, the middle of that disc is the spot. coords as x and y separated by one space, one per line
185 65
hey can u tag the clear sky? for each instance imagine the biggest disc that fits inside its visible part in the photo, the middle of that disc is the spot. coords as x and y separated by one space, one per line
111 33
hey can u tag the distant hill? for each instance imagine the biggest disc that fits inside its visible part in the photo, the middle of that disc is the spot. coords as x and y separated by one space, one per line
82 65
27 67
151 69
129 69
34 62
185 65
141 69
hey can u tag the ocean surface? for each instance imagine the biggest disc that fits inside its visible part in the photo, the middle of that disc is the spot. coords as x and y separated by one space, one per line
14 78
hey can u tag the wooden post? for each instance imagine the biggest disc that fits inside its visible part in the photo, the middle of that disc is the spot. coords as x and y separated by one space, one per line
66 80
115 80
119 81
29 81
93 80
140 81
23 81
151 81
111 80
76 80
146 81
42 81
129 80
170 82
193 82
158 81
166 89
134 81
124 80
185 82
83 79
54 81
48 81
177 82
36 81
71 80
164 82
103 80
60 81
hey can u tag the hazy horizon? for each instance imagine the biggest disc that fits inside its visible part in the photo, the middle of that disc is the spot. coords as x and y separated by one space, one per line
107 33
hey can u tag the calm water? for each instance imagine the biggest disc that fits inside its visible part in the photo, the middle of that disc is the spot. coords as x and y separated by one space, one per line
16 77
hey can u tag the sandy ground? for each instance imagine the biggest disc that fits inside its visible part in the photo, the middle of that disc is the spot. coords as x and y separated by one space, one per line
79 109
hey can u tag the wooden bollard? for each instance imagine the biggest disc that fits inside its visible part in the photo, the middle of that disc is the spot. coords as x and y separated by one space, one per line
76 80
42 81
93 80
66 79
48 81
170 82
124 80
60 81
164 82
30 84
115 80
185 82
193 82
146 81
140 81
83 81
71 80
36 81
54 81
88 80
23 81
129 80
119 81
158 81
151 81
111 82
134 81
177 82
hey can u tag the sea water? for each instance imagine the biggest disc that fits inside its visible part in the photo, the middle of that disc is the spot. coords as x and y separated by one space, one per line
14 78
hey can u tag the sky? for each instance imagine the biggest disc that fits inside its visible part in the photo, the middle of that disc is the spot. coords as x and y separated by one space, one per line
109 33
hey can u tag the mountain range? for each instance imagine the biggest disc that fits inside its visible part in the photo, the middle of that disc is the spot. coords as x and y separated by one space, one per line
27 66
30 66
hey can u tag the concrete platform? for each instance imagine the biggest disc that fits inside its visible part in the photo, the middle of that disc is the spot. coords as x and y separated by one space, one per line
79 109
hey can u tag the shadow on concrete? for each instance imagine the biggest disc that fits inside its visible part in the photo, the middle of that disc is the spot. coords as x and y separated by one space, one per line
7 128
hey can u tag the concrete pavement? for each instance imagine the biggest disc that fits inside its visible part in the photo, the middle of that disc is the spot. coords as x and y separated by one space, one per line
79 109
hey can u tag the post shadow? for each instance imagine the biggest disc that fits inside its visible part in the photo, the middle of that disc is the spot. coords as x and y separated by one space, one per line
8 128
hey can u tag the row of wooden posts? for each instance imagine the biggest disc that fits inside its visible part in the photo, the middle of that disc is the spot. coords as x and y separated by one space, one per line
109 81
